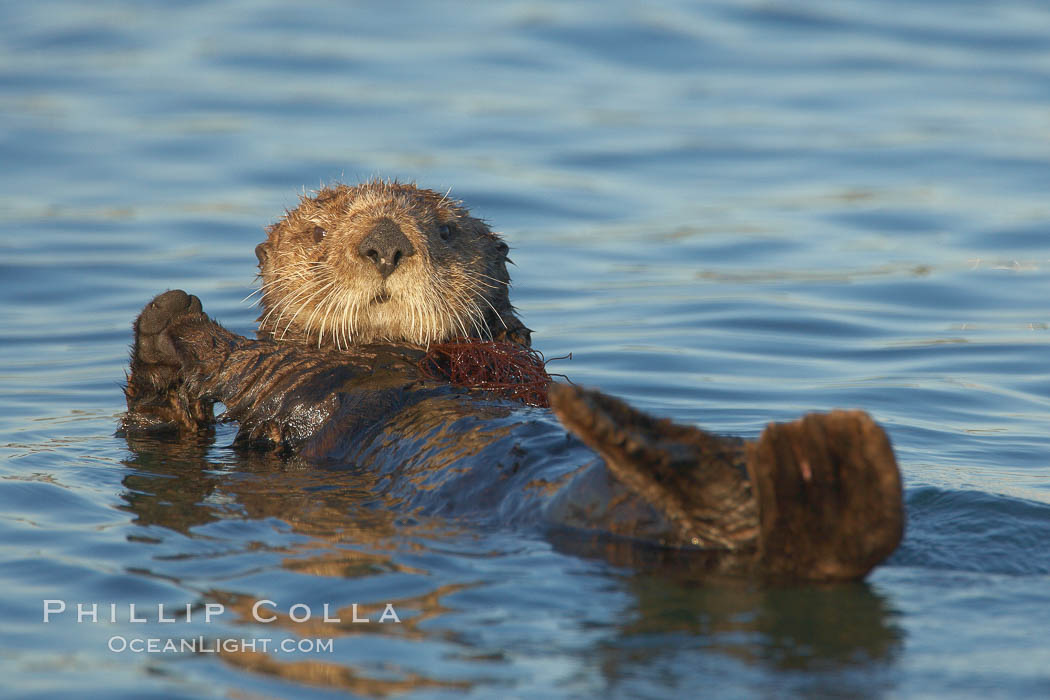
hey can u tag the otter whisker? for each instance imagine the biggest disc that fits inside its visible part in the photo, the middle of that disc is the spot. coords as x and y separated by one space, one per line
472 313
489 304
280 306
447 321
285 304
420 303
463 314
257 291
327 305
440 319
419 318
462 324
281 281
353 320
445 196
337 312
482 333
450 312
309 322
333 313
343 302
459 315
493 279
428 302
351 323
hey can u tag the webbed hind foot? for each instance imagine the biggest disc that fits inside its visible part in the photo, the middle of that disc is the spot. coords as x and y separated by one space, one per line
829 496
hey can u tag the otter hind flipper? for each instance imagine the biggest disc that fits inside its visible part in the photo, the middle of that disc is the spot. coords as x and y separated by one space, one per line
820 498
829 496
696 479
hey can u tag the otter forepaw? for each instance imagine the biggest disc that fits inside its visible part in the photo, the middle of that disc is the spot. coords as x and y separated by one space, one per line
829 496
152 345
154 396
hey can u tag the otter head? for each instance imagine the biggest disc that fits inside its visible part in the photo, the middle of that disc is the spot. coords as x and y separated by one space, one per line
384 262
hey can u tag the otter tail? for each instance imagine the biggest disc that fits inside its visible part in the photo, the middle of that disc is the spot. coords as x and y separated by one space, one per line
818 499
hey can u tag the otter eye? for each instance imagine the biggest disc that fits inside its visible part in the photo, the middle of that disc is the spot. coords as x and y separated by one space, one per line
445 231
319 233
503 247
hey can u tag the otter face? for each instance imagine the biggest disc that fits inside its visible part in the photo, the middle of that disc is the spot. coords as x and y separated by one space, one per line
384 262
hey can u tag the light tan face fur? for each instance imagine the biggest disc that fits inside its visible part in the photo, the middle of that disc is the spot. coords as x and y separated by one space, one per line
319 287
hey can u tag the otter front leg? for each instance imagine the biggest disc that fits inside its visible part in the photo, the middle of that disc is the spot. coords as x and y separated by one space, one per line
182 363
175 343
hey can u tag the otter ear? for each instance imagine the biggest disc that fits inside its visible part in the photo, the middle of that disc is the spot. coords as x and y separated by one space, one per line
261 252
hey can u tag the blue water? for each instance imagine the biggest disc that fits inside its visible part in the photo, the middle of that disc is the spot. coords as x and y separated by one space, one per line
730 212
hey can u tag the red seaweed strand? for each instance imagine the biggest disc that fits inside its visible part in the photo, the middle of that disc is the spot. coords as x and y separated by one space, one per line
505 369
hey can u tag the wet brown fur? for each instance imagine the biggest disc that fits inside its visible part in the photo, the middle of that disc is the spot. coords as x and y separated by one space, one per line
330 378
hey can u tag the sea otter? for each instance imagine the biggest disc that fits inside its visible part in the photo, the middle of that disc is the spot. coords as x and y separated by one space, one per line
357 281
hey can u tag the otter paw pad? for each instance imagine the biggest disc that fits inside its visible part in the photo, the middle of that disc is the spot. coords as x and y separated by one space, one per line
153 346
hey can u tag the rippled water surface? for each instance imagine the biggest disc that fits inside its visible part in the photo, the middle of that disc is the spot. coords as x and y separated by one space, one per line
729 212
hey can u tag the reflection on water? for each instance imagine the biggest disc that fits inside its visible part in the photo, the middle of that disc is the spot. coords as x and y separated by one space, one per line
333 528
813 636
330 527
334 676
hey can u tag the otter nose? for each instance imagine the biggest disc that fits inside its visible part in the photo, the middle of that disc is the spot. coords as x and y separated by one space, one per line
386 246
